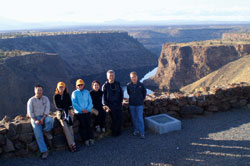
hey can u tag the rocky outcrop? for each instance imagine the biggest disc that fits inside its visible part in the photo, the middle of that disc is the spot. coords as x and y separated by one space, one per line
233 72
236 36
17 138
180 65
66 58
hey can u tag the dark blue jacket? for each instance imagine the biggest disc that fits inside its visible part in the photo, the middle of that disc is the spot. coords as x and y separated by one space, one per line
113 95
137 93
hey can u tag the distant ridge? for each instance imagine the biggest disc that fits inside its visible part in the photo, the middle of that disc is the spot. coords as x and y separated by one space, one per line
234 72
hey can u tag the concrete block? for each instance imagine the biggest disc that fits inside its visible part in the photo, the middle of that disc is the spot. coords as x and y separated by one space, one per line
162 123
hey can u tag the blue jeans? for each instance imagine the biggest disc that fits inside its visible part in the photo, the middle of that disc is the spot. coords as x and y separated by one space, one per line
38 131
137 118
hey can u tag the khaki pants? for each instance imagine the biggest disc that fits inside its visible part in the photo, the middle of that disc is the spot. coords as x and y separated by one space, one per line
68 131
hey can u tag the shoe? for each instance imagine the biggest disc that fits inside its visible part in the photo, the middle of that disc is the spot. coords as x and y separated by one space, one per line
135 133
103 130
86 143
98 129
92 142
142 136
48 135
45 155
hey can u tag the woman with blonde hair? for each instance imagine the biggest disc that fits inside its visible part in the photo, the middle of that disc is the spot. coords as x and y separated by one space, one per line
63 104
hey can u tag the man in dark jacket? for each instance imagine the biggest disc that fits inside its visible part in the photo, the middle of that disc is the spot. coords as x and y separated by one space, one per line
113 97
137 94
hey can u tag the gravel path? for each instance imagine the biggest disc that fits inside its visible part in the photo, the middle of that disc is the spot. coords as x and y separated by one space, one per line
218 139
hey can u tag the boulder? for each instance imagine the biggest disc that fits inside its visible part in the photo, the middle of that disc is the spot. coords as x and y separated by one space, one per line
2 139
8 147
26 137
213 108
33 147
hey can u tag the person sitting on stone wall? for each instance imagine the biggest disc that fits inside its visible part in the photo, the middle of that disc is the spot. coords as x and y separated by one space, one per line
113 97
63 104
38 108
82 104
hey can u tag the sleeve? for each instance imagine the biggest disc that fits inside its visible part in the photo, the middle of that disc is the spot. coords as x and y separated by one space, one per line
128 89
121 94
56 104
105 101
47 106
75 103
90 105
30 110
144 91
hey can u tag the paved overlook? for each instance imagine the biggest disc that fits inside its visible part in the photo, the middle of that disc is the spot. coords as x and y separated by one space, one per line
215 139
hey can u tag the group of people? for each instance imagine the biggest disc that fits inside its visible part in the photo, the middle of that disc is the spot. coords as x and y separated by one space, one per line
80 104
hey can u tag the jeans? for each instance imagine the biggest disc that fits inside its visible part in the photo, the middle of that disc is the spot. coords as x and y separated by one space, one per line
137 118
38 131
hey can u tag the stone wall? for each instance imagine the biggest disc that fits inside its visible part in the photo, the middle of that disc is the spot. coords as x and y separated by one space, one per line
17 138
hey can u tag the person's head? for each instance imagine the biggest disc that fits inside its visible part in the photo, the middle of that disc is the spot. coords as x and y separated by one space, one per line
133 77
61 88
95 85
80 84
38 89
111 76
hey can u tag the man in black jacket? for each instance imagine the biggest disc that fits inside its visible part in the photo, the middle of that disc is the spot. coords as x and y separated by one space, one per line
137 94
113 97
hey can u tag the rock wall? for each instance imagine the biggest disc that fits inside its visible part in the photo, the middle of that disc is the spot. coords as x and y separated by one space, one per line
17 138
180 65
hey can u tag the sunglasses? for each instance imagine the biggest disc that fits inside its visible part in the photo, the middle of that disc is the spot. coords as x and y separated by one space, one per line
80 85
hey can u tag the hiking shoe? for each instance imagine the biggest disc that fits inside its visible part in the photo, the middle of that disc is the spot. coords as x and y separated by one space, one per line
45 155
91 142
48 135
135 133
142 136
86 143
103 130
98 129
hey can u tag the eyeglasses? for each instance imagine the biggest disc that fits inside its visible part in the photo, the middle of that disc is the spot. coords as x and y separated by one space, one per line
80 85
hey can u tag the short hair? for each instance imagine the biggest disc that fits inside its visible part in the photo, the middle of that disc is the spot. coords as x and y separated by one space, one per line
110 71
38 86
95 81
133 73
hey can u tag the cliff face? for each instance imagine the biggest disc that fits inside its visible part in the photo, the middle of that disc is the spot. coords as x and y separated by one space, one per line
66 58
181 65
89 53
20 74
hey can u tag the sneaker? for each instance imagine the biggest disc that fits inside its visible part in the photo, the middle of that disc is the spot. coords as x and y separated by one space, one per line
142 136
86 143
135 133
103 130
98 129
48 135
92 142
45 155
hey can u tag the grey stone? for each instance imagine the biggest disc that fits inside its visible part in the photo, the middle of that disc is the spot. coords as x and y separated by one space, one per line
26 137
19 145
8 147
33 147
3 129
23 127
59 141
2 139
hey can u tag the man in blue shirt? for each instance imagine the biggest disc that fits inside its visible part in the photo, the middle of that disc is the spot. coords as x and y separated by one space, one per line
82 104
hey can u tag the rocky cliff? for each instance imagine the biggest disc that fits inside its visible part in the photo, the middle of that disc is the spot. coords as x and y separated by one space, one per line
182 64
233 72
66 58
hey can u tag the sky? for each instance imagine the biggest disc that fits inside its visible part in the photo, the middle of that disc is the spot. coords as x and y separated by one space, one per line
99 11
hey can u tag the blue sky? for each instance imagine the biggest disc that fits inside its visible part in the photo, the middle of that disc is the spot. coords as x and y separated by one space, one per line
98 11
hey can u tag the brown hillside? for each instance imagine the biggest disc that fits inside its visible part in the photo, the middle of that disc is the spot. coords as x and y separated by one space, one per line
234 72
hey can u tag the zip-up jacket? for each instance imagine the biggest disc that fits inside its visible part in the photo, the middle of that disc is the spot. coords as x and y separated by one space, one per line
81 100
137 93
113 95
